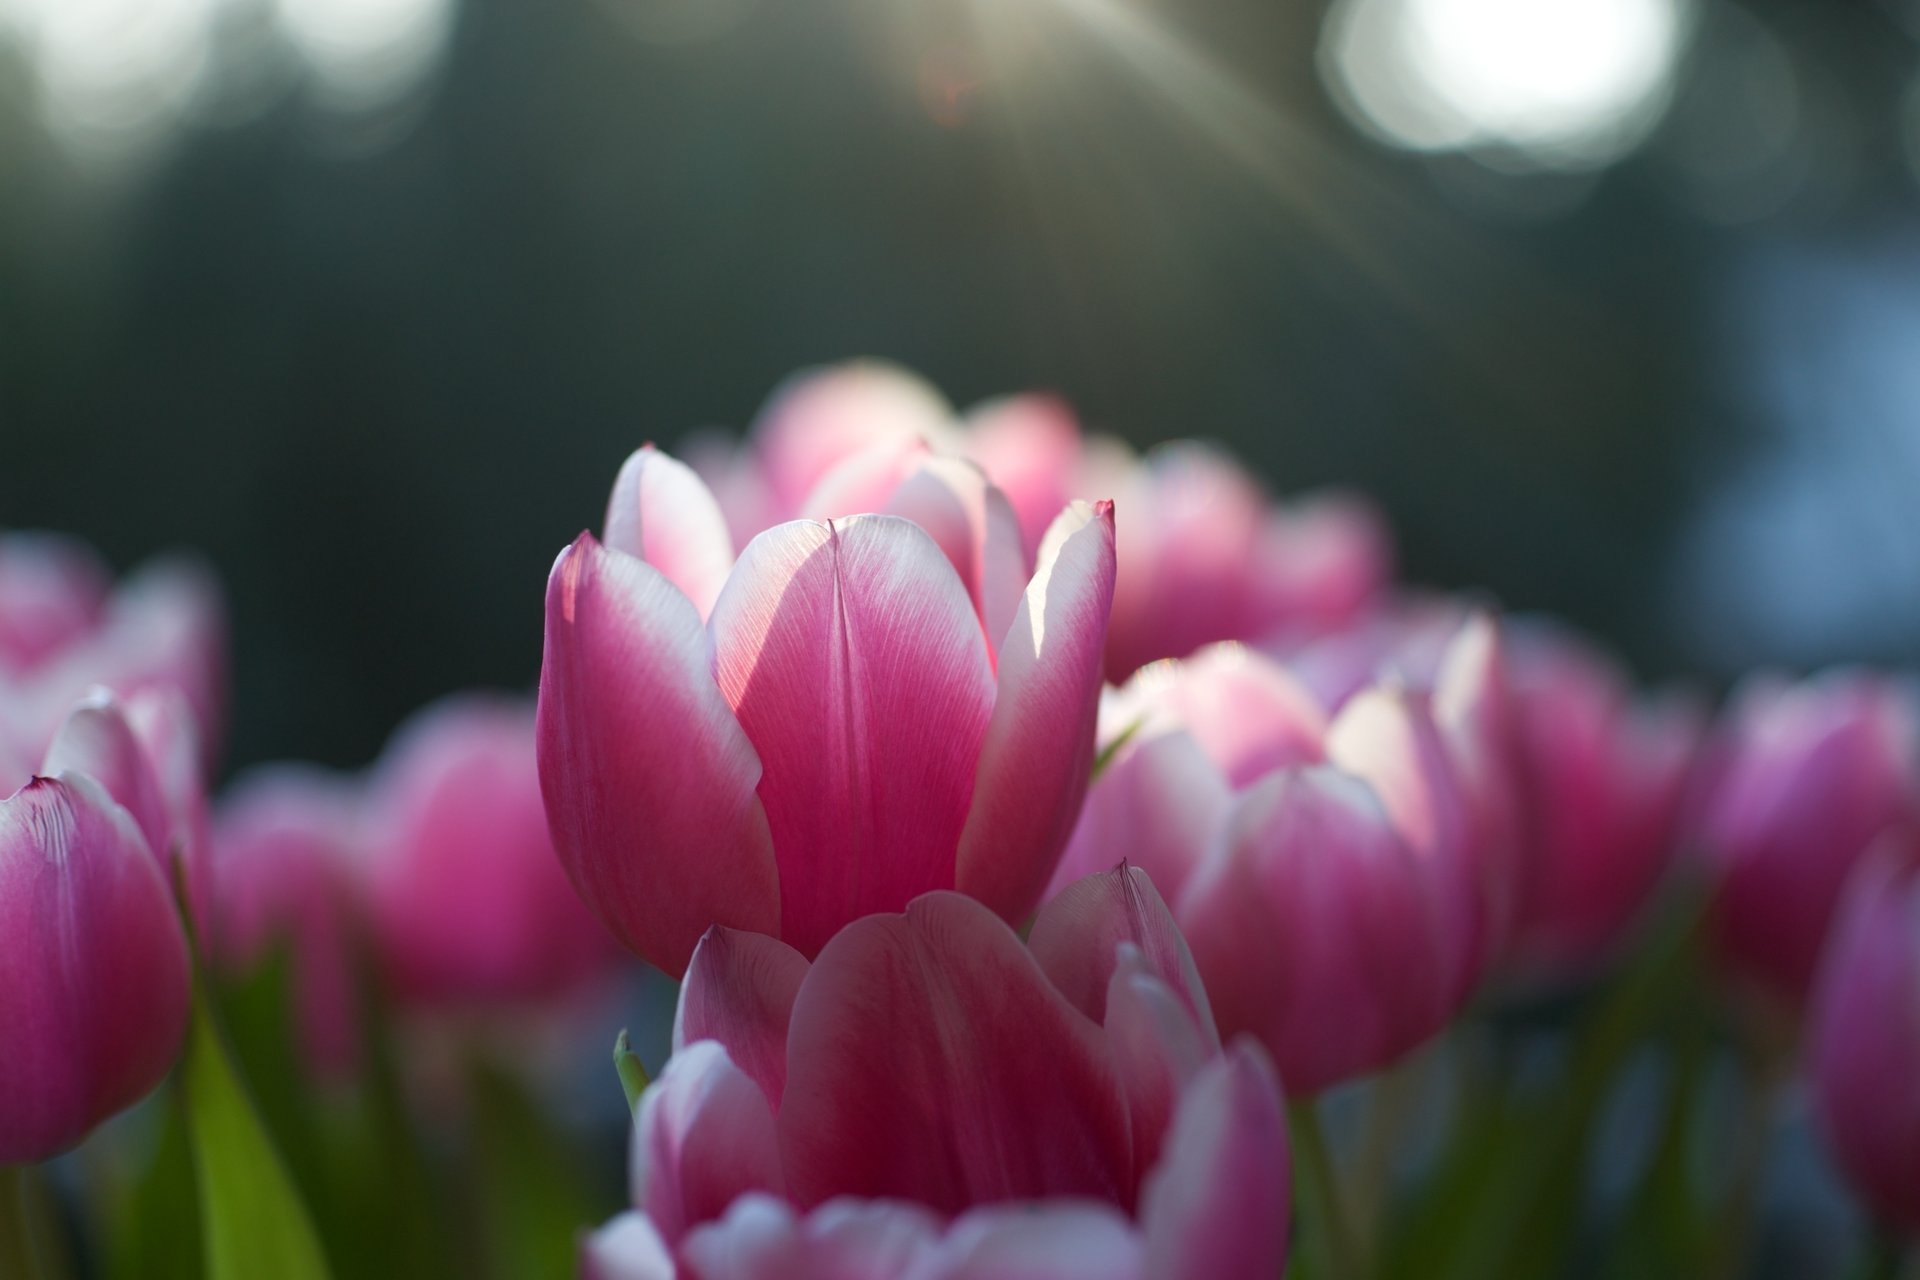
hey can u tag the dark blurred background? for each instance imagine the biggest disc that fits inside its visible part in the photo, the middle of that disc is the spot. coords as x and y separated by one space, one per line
1613 304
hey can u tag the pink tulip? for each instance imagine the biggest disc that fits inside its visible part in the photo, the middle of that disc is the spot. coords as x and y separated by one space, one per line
53 593
93 966
849 728
1865 1036
286 868
1803 780
931 1099
469 904
1320 866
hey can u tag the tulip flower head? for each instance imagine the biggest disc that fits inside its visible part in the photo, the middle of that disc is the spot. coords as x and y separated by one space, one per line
1865 1035
930 1098
827 727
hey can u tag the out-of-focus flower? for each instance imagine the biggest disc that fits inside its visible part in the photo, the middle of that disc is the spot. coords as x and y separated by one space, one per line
469 905
1205 555
849 729
93 966
1802 781
287 845
65 629
1319 864
1865 1041
932 1099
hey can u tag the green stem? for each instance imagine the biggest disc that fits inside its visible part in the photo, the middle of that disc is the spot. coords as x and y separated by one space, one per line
29 1246
1328 1238
1752 1145
1395 1096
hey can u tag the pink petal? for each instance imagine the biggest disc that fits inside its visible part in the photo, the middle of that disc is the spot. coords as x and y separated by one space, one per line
627 1248
648 779
97 740
820 416
169 732
864 481
856 666
1159 804
762 1239
663 513
1316 930
929 1059
1473 709
1039 750
1077 936
1157 1048
1029 446
703 1137
1050 1241
53 591
739 990
975 527
1218 1205
93 966
1248 713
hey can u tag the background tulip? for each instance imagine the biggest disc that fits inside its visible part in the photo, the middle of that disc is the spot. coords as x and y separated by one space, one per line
1803 779
931 1097
469 905
1865 1036
93 966
844 733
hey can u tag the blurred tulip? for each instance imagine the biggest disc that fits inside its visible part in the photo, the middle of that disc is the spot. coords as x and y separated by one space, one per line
287 854
1319 866
93 966
1803 779
1865 1036
930 1098
1204 554
847 731
469 904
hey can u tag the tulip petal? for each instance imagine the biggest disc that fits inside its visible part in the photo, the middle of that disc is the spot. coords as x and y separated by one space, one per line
975 526
1038 753
1076 938
1316 930
929 1059
627 1248
97 740
1029 446
739 990
762 1239
1159 804
819 416
649 781
864 481
703 1137
855 664
663 513
1157 1049
1218 1204
93 966
1055 1241
1248 713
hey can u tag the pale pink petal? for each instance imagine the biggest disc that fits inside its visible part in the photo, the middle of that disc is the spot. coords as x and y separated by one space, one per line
1029 446
1316 930
1324 558
820 416
703 1137
1057 1240
856 666
649 781
169 731
1077 936
1219 1203
663 513
929 1059
1248 713
1473 708
53 591
739 990
627 1248
93 966
864 481
97 740
1159 804
762 1239
974 525
1039 751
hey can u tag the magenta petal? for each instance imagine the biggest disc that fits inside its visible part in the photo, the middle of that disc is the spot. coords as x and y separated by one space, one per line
853 660
739 990
975 526
97 740
1157 1048
929 1059
663 513
649 781
1029 446
1218 1205
1055 1241
1077 936
1159 804
1039 750
93 966
1316 930
703 1137
627 1248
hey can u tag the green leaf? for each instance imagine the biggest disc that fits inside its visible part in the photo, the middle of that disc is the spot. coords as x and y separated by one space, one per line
633 1073
252 1221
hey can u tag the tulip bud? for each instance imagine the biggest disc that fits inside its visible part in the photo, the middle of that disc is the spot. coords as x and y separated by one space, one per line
93 966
